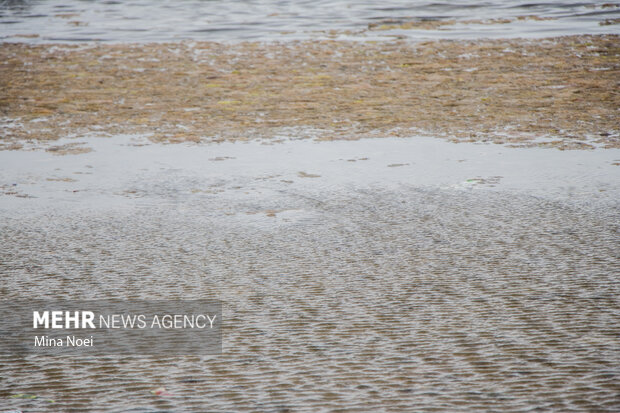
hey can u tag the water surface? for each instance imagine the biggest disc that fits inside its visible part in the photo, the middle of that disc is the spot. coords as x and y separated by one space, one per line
401 274
213 20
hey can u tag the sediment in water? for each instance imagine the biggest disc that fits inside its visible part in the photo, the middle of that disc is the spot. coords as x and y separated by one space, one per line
505 91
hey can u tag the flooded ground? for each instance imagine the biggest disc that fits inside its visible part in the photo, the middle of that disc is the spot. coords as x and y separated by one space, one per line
379 274
40 21
296 160
562 90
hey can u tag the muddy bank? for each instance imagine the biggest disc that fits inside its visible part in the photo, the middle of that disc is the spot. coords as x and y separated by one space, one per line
505 91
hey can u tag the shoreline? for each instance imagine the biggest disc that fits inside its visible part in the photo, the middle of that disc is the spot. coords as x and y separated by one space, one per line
563 91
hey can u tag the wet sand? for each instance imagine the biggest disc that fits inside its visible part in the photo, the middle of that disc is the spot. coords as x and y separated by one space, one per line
504 91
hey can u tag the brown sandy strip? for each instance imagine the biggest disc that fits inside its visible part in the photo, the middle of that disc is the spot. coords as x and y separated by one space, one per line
507 91
436 24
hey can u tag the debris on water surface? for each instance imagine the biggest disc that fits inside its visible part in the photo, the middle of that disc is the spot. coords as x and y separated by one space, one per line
30 397
160 391
73 148
488 181
23 396
303 174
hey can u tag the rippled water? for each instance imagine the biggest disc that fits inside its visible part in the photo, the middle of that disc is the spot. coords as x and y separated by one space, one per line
140 20
381 274
395 274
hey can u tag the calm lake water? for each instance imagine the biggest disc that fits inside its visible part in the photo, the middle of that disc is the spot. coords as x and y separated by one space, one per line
145 21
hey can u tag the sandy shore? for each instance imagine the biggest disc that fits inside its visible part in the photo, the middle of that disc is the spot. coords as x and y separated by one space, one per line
506 91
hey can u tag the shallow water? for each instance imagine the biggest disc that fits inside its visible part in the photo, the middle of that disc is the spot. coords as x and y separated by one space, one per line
395 274
147 21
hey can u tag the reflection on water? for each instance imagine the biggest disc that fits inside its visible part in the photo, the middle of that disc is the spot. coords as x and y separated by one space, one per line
337 294
139 20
